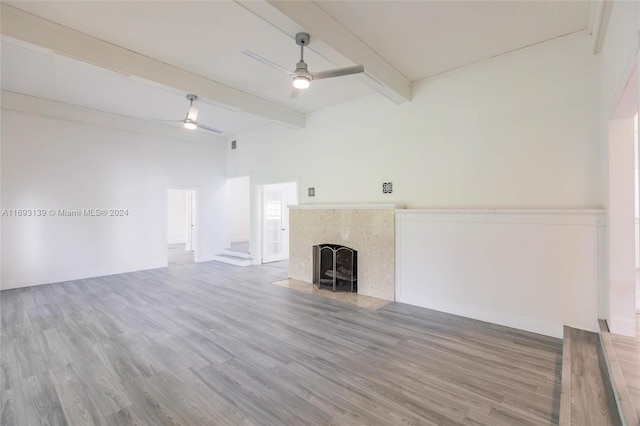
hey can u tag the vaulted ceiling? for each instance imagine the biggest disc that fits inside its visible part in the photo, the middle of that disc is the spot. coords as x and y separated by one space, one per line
140 58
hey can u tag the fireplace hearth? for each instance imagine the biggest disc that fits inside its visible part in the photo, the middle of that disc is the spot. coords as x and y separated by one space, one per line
335 267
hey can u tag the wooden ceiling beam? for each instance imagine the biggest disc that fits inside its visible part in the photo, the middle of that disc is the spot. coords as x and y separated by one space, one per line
30 28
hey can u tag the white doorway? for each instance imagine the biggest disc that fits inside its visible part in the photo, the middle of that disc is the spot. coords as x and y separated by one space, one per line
621 212
275 219
181 226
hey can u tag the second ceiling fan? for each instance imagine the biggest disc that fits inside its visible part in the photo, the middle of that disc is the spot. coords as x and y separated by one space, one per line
301 76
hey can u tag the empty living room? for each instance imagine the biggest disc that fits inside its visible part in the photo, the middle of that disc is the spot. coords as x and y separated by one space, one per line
319 212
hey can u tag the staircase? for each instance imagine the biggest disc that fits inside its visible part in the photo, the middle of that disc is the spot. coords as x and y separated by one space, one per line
238 254
587 394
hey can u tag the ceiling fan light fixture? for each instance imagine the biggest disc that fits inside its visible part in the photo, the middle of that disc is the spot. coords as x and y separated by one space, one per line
301 82
190 124
301 76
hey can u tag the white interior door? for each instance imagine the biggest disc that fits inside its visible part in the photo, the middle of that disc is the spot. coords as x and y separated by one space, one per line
273 224
275 220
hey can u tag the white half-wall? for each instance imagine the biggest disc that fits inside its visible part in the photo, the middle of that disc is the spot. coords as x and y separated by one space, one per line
532 270
51 163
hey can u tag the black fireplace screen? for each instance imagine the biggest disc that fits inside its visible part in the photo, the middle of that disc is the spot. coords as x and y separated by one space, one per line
335 267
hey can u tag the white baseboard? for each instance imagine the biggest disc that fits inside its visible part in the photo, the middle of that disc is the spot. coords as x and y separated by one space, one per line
622 326
42 280
501 318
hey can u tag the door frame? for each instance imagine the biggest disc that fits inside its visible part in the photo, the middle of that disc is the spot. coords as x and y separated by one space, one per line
256 213
195 234
615 303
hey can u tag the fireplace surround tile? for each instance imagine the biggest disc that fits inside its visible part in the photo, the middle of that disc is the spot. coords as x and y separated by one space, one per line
370 231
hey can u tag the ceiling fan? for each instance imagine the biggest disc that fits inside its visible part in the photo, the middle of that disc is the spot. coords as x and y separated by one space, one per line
190 120
301 76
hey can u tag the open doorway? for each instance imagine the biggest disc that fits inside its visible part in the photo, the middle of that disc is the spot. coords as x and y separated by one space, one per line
240 209
181 223
622 212
274 223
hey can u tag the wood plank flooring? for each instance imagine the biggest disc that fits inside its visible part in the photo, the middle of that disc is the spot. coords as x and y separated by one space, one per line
590 396
360 300
628 354
177 255
215 344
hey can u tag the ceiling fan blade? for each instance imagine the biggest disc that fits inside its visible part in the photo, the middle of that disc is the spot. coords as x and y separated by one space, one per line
268 62
166 121
338 72
210 129
193 113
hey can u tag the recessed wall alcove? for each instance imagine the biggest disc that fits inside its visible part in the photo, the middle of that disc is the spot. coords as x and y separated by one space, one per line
369 229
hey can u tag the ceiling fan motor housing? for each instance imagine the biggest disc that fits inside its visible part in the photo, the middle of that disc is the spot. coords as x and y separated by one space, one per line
302 71
302 39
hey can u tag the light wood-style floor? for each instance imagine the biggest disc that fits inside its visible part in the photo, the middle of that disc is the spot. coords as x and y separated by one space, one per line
177 255
360 300
209 343
628 355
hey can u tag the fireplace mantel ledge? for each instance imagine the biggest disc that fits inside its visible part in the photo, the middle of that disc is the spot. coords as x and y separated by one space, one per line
346 207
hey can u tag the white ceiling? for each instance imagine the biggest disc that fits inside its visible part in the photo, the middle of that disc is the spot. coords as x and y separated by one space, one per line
44 74
417 38
425 38
206 38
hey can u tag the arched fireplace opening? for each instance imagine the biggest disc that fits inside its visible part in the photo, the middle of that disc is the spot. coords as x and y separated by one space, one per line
335 267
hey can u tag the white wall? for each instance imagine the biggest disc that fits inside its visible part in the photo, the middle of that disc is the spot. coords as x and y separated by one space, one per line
636 188
240 214
176 216
532 270
516 131
55 164
520 131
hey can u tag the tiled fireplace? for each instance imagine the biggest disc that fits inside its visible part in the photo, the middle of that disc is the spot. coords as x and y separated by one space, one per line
369 229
